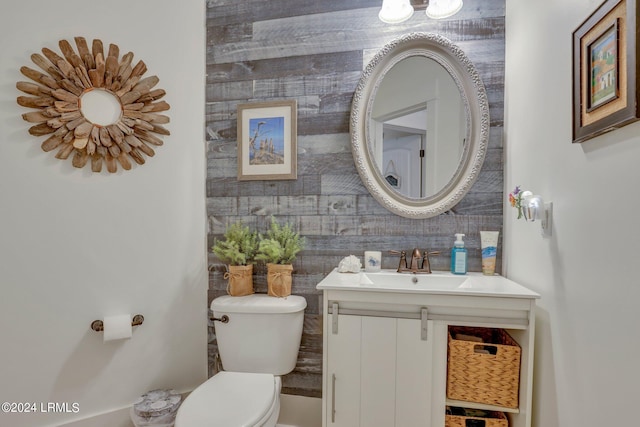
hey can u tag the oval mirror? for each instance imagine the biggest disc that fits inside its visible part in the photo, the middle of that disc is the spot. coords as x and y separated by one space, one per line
419 125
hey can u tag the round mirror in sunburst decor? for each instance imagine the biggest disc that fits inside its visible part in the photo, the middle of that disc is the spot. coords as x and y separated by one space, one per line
97 107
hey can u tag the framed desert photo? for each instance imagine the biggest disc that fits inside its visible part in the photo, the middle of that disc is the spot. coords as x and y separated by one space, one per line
267 140
605 84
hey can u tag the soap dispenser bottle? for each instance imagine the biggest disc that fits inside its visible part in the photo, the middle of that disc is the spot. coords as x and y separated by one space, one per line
459 256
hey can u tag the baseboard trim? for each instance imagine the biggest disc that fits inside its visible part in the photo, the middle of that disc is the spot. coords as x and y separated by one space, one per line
116 418
298 411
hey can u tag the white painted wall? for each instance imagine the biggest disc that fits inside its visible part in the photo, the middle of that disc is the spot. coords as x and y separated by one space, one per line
77 246
587 370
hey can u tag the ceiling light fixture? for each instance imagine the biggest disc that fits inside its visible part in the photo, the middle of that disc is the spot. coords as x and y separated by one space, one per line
395 11
439 9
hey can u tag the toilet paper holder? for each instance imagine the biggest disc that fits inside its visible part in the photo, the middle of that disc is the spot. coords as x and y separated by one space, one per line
98 325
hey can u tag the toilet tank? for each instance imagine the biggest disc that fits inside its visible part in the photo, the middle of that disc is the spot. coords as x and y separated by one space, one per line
263 333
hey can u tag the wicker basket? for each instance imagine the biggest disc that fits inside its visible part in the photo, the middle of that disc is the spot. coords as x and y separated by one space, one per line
487 372
459 417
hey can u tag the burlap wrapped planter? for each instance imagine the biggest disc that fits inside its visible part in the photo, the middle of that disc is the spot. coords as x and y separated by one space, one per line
240 280
279 279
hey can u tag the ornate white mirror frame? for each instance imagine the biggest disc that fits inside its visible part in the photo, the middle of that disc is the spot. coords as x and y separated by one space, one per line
476 107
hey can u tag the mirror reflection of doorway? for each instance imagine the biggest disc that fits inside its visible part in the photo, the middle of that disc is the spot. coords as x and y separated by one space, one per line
418 96
404 135
402 155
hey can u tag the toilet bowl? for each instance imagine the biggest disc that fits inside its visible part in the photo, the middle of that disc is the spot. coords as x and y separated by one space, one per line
258 339
233 399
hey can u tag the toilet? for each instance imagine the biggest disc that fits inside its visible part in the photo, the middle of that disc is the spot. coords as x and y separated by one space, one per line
257 345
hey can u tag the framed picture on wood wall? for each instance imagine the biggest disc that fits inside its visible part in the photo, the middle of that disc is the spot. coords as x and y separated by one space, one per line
605 70
267 140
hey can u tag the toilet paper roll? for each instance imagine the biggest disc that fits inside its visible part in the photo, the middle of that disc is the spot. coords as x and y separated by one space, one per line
117 327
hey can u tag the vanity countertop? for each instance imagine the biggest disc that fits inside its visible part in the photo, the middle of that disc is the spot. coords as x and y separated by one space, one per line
436 283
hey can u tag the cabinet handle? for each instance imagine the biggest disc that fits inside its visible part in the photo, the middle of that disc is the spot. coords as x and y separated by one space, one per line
334 318
424 321
333 398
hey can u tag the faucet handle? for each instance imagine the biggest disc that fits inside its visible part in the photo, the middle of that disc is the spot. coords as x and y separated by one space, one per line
426 264
402 265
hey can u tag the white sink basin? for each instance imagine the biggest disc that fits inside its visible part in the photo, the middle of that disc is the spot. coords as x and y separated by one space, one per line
425 282
438 282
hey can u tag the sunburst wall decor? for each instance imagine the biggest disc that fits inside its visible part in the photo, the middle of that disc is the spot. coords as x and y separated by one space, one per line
57 95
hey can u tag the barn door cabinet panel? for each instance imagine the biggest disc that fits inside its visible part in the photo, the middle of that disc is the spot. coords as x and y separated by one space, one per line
386 339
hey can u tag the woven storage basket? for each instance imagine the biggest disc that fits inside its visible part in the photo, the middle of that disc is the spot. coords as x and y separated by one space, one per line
489 419
472 376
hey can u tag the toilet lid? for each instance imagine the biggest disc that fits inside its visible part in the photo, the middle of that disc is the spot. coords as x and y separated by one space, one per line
236 399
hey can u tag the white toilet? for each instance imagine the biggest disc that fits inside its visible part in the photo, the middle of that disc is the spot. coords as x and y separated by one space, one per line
259 343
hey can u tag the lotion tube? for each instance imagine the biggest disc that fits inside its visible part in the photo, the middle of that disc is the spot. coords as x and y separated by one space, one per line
489 242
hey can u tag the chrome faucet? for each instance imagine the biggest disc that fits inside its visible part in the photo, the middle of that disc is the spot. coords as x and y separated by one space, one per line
419 261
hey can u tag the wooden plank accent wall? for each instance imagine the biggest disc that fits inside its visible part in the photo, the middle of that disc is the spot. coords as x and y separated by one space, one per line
314 52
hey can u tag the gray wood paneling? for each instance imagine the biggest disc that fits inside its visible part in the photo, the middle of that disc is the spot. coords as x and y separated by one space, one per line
314 52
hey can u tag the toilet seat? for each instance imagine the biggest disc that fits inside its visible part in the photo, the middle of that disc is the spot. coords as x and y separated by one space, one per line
236 399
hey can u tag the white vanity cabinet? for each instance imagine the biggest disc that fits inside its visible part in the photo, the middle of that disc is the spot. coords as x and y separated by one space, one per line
386 338
379 372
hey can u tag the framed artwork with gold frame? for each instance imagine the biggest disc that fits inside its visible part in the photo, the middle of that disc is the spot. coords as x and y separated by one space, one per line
605 70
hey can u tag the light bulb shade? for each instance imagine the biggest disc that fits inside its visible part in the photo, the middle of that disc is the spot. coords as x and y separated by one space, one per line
439 9
395 11
532 208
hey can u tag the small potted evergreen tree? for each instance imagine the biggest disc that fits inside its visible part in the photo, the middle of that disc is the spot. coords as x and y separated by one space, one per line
278 249
238 250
